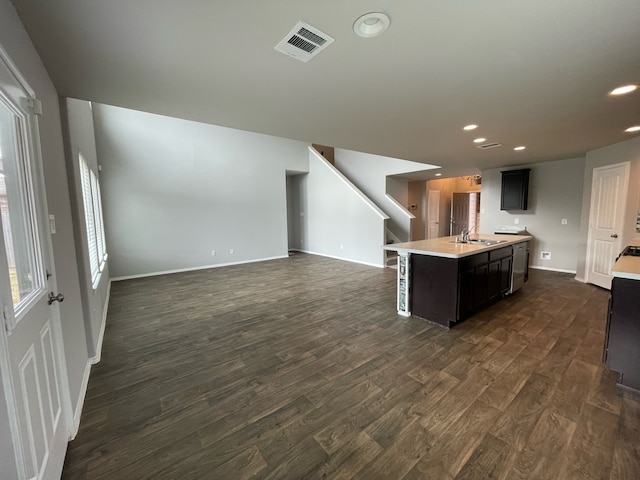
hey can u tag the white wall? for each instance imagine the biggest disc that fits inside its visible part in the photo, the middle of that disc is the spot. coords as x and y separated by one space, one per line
16 43
628 151
336 220
175 190
369 173
555 192
77 120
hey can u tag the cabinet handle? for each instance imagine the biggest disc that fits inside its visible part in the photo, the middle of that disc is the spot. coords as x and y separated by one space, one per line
614 235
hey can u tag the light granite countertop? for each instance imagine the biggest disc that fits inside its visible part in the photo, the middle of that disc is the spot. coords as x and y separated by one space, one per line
627 266
448 247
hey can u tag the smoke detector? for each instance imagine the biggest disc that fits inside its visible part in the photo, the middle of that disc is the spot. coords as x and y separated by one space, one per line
304 42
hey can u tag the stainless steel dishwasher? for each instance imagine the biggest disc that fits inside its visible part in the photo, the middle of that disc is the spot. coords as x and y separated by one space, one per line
519 266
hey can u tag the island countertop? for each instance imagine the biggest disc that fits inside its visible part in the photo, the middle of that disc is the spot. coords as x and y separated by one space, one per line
627 266
449 248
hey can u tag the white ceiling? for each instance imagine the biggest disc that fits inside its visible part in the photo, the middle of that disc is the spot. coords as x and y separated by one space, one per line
534 73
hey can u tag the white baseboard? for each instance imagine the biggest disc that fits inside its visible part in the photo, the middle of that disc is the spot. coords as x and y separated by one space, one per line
581 279
193 269
549 269
103 326
80 404
338 258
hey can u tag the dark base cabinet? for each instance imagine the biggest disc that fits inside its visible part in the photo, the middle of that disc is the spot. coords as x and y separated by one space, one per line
622 341
448 290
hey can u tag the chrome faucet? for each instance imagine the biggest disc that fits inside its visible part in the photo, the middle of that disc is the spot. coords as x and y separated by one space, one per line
465 233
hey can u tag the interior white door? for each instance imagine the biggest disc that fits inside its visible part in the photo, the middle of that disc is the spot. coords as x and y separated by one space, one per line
606 217
433 214
33 369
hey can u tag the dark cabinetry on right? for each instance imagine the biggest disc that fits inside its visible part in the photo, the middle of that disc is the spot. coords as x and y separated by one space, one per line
515 189
622 341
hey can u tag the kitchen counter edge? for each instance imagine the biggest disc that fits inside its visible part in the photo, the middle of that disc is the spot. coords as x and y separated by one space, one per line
448 248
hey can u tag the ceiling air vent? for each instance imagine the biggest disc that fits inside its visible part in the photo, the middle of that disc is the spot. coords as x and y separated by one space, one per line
304 42
490 145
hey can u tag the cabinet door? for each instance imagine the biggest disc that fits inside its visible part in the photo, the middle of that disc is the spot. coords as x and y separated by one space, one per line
480 285
623 350
493 279
506 265
465 293
515 189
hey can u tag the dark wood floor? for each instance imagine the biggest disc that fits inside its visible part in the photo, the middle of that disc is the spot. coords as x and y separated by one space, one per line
300 368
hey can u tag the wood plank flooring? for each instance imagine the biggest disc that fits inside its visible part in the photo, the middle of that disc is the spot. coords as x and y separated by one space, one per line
301 368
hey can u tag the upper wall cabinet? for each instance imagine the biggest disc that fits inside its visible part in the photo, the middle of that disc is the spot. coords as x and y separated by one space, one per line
515 189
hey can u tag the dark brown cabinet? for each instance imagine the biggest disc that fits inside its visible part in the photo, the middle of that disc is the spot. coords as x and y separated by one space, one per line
515 189
448 290
622 341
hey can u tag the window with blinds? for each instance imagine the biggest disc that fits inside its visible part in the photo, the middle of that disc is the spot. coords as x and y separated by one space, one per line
93 220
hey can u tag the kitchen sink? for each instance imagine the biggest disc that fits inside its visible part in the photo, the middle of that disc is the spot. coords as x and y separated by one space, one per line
481 241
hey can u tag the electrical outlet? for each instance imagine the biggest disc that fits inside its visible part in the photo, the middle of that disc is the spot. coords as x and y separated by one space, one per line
213 253
564 221
341 247
231 251
516 221
545 255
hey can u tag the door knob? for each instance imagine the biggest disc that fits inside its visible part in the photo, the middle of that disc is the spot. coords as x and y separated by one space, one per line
55 298
614 235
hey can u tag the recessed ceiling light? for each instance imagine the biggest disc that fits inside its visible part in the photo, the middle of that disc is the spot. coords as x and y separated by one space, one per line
438 174
521 147
479 140
635 128
470 127
371 24
624 89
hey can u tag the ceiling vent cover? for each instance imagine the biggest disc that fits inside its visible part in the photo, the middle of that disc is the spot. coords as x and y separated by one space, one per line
304 42
490 145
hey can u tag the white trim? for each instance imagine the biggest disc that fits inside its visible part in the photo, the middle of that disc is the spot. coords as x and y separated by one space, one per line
4 56
551 269
192 269
400 207
77 415
349 184
80 403
98 356
337 258
581 279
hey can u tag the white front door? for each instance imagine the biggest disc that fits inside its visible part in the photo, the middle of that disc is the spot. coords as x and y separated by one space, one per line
34 378
433 214
606 217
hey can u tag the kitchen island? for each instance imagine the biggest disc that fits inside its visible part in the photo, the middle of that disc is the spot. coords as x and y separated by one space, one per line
445 281
622 339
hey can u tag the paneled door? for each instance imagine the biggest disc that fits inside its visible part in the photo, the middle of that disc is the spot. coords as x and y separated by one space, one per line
34 378
606 217
433 214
